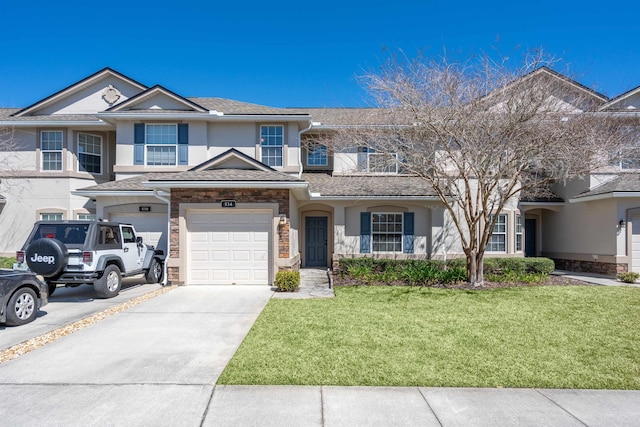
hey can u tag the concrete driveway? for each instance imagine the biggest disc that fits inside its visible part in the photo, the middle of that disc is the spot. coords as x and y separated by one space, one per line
68 305
154 364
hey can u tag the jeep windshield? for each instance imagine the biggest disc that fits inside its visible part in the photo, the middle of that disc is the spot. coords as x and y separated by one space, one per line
69 234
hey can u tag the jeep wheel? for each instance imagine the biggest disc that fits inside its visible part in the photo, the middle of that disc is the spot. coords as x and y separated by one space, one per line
52 287
154 273
108 285
23 307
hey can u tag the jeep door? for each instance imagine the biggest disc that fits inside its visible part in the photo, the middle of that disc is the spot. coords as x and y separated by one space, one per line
132 256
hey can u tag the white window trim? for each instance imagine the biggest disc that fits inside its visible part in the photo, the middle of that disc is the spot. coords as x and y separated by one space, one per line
91 154
505 233
386 232
42 151
85 214
383 172
147 144
51 213
519 233
281 146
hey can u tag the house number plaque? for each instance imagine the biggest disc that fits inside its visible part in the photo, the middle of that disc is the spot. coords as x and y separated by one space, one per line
228 203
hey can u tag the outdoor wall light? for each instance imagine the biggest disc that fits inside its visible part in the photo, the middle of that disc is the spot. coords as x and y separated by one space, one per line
622 222
283 219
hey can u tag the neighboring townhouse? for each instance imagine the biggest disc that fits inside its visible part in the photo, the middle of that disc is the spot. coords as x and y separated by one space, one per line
236 192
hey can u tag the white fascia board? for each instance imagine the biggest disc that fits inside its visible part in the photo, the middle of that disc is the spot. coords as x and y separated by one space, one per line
152 116
122 193
212 115
318 196
541 203
612 195
225 184
51 123
264 117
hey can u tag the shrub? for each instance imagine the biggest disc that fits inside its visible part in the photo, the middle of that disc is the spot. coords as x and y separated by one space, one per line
429 272
287 281
628 276
7 262
452 275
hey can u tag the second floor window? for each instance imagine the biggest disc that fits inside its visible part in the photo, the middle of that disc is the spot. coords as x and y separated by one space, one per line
317 155
271 144
89 153
161 145
374 162
51 150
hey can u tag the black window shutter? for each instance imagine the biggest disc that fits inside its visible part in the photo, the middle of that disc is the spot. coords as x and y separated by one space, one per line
365 232
408 233
183 144
138 144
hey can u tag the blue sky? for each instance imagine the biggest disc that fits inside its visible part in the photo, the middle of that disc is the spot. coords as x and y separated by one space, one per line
298 54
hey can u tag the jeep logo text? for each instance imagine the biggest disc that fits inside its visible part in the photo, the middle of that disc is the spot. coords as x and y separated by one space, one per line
43 259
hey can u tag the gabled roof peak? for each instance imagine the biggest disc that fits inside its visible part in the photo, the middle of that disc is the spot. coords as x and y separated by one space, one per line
87 81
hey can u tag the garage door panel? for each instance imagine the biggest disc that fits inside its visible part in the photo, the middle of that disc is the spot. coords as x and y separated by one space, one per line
199 256
219 256
237 244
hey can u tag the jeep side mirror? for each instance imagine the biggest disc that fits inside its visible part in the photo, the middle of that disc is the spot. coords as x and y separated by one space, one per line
139 240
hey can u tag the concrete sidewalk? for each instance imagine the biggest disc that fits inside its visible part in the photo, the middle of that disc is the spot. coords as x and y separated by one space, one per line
157 364
596 279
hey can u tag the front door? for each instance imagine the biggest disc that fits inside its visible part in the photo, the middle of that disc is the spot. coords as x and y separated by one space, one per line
316 241
530 237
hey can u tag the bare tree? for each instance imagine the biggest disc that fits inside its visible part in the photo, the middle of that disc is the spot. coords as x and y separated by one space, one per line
482 133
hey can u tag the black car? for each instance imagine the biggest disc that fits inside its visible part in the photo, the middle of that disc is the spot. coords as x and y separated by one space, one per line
21 296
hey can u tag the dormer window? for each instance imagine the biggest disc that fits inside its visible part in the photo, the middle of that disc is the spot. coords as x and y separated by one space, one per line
371 161
317 155
271 144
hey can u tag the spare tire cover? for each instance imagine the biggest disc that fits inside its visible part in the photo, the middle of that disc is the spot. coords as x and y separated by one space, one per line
47 257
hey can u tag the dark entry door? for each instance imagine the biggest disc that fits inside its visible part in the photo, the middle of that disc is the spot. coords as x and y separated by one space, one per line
316 241
529 237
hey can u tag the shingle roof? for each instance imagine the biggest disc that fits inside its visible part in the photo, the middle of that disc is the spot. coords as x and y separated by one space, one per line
368 185
135 183
6 114
230 106
625 182
351 116
127 184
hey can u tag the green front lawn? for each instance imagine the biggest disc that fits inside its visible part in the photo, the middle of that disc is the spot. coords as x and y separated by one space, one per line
549 337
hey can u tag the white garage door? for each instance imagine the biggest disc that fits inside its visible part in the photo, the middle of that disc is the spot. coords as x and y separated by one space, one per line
228 247
635 244
149 227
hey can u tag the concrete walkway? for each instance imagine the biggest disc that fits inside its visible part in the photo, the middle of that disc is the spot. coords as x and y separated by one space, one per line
596 279
314 283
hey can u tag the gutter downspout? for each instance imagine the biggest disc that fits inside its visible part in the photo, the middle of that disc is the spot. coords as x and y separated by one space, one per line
300 146
165 277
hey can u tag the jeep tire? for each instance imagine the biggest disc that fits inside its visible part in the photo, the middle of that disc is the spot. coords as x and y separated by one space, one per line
108 285
47 257
51 287
154 273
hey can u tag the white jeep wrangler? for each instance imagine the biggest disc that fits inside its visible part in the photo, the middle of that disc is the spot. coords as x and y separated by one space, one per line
89 252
